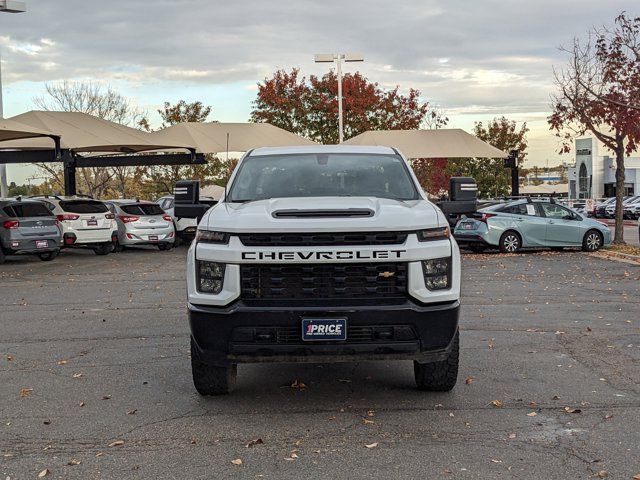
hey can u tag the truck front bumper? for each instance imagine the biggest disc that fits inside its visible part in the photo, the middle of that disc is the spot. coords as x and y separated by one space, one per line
241 333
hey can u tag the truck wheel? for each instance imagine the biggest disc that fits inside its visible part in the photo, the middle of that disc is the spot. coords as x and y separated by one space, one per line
510 242
592 241
439 376
103 249
210 380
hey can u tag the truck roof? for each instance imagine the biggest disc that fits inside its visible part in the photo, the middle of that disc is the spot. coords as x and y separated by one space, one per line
364 149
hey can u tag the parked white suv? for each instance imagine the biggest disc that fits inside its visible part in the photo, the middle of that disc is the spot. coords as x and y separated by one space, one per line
85 222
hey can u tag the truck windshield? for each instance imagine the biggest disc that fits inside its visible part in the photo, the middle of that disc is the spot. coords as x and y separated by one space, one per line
322 175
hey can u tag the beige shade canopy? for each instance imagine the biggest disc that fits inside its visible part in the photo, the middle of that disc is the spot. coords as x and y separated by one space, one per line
81 132
212 137
444 143
12 130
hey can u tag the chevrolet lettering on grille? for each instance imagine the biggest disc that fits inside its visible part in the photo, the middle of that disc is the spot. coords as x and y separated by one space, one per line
315 256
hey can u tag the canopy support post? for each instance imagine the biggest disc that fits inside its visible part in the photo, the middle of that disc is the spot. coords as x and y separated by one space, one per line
69 163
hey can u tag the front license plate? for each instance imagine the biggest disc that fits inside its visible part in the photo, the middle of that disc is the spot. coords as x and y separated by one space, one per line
323 329
153 238
92 223
42 243
467 226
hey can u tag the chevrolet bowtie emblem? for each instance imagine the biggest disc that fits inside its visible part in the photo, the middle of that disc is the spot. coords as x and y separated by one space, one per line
386 274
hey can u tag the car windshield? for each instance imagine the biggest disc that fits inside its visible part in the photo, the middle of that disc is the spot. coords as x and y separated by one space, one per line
142 209
322 175
83 206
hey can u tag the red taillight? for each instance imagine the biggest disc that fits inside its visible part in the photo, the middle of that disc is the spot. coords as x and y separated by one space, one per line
167 218
64 217
128 218
109 216
486 216
11 224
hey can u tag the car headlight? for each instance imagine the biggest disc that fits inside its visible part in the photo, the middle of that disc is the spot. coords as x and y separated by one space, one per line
210 277
207 236
437 273
439 233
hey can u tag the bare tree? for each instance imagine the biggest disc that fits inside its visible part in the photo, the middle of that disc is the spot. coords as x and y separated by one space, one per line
595 94
99 101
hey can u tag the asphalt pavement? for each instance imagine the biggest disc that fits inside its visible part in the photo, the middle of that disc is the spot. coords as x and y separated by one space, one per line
96 382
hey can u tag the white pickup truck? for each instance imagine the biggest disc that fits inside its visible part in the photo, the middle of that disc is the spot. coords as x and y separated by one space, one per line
323 254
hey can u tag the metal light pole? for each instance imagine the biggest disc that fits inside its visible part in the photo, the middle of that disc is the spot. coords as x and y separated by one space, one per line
338 58
9 6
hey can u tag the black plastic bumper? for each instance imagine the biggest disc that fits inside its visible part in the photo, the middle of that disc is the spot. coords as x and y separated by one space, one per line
465 240
246 334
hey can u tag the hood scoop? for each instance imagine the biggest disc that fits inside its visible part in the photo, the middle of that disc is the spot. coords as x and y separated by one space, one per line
324 213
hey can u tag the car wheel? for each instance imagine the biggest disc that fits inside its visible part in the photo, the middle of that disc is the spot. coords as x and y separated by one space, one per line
118 247
2 256
592 241
211 380
439 376
510 242
47 256
103 249
164 246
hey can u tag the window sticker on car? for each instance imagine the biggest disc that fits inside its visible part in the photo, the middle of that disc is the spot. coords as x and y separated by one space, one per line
531 209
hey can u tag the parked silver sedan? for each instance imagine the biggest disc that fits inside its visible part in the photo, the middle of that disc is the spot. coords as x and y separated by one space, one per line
142 223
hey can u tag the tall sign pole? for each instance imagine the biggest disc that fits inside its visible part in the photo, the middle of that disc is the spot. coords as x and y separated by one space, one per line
338 58
8 6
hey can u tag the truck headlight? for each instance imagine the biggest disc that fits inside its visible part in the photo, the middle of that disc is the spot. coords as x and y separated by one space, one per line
207 236
210 277
439 233
437 273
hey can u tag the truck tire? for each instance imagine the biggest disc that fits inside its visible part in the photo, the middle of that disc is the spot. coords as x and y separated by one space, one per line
592 241
510 242
211 380
439 376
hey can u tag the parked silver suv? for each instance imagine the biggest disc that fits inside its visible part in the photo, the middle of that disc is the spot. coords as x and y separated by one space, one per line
142 223
28 227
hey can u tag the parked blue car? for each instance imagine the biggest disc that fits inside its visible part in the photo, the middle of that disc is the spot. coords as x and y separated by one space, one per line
526 223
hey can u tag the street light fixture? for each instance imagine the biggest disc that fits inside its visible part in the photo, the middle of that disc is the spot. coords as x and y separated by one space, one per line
339 58
8 6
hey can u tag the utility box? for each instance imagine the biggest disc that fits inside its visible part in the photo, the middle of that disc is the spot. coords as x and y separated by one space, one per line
463 189
187 200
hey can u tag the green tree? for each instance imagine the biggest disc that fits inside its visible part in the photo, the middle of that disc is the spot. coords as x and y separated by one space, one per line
493 179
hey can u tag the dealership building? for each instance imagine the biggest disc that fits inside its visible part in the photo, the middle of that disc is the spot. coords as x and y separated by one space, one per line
594 173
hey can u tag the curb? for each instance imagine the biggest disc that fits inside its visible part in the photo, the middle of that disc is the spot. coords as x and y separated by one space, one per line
617 256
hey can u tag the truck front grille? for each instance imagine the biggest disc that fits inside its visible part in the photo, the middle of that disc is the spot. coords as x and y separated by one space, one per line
322 239
324 281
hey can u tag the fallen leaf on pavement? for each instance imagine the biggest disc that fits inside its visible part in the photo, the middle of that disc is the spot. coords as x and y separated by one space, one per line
9 358
367 421
469 380
117 443
636 477
77 375
132 412
370 413
497 403
572 410
257 441
496 461
81 404
344 380
298 384
73 461
512 435
106 397
237 461
532 414
43 473
372 445
24 392
62 362
603 474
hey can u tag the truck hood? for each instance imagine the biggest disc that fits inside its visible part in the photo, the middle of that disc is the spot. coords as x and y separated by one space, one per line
385 215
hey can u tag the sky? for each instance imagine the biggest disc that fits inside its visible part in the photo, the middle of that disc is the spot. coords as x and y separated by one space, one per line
473 59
